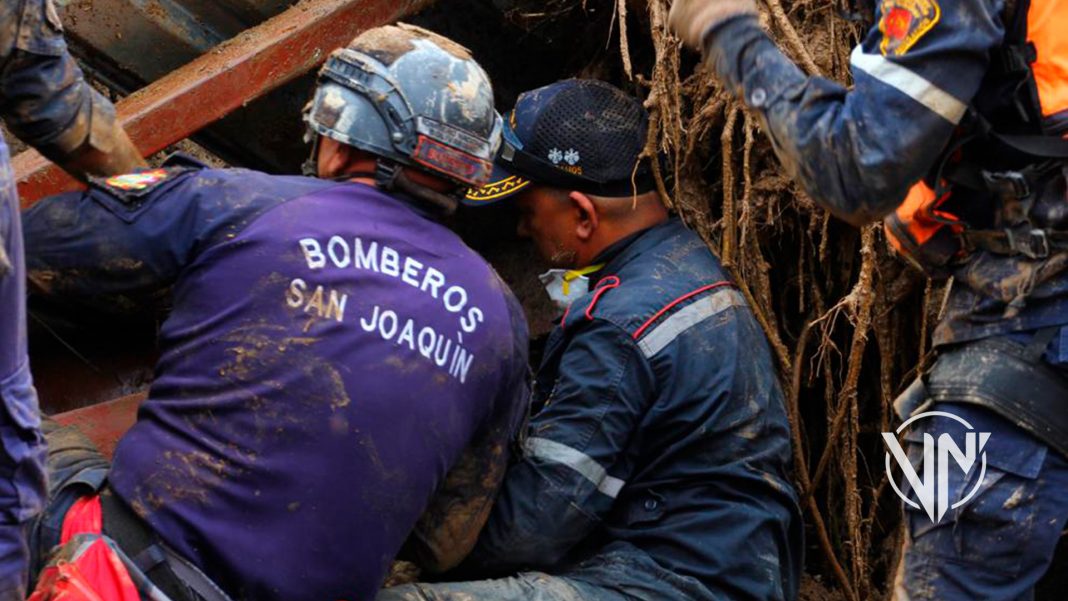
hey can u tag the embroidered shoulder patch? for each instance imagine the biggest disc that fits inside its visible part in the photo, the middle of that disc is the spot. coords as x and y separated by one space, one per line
904 22
143 180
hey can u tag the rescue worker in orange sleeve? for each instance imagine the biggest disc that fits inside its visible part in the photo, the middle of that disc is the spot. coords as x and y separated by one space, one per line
953 135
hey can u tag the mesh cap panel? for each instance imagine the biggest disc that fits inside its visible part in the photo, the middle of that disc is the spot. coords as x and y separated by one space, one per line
590 128
585 127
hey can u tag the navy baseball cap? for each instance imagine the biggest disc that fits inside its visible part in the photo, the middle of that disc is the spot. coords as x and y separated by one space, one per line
575 134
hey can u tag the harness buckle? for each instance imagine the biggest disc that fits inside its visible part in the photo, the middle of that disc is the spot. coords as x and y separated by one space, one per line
1033 244
1007 183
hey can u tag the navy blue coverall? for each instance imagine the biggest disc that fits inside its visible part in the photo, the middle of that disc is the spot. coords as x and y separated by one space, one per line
857 152
45 101
659 467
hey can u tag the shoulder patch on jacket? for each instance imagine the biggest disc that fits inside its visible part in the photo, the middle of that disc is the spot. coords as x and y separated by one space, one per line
140 181
128 195
132 189
904 22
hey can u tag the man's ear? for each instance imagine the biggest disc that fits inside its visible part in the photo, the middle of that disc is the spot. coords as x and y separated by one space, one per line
334 158
586 212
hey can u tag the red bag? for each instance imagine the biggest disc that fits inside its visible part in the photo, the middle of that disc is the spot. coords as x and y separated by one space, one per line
85 567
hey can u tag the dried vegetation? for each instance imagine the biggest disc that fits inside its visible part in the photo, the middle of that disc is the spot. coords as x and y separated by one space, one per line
845 319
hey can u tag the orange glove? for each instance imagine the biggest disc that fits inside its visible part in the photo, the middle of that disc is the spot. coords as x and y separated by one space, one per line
691 20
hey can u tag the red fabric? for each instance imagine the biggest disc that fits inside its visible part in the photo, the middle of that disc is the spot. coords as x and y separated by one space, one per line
84 517
898 21
64 582
96 574
603 286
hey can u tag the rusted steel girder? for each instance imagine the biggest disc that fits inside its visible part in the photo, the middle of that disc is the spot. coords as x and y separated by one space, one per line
105 423
238 71
151 39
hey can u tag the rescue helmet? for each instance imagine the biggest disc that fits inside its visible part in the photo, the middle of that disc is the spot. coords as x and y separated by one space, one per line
410 97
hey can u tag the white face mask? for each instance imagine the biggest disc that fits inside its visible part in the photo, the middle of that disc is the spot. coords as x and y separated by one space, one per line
566 285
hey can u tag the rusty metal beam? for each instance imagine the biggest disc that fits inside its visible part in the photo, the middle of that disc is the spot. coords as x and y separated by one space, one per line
105 423
238 71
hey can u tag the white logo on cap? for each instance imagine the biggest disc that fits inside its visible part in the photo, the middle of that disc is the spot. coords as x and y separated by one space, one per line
571 156
556 156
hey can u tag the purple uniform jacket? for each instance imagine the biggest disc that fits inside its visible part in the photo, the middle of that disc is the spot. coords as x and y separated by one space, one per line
330 353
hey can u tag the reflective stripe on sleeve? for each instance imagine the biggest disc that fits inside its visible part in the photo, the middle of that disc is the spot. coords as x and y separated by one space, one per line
550 450
671 328
909 83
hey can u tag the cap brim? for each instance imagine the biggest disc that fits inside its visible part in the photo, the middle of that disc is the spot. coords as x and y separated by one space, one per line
502 185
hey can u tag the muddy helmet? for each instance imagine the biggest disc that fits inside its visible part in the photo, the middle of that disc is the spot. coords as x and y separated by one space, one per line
413 98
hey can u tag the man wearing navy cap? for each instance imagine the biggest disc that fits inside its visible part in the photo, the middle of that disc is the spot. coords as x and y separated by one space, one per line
658 465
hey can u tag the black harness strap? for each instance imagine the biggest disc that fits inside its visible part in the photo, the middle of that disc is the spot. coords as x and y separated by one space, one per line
1031 243
1048 147
1009 379
1008 108
1007 115
175 576
1015 191
1036 349
1015 98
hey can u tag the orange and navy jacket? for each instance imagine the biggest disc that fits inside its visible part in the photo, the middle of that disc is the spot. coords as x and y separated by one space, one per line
858 151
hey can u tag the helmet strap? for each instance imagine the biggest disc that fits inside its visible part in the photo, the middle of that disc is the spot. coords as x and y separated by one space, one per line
390 177
386 173
310 167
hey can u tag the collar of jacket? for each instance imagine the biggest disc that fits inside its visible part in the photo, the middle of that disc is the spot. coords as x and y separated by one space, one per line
622 251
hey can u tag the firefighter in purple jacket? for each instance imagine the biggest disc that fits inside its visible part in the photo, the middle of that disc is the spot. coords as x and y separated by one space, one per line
45 102
338 368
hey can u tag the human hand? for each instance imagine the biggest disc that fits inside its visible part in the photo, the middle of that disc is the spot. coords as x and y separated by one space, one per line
692 19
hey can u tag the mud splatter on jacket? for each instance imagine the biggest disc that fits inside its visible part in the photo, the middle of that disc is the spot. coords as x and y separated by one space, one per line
857 151
330 353
664 433
44 101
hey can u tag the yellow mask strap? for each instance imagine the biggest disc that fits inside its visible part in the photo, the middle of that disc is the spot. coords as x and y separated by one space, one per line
575 274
